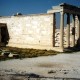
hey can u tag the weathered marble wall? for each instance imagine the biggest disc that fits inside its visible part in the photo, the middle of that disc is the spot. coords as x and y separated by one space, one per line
30 31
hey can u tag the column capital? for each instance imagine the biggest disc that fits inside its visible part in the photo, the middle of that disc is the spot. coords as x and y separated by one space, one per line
61 12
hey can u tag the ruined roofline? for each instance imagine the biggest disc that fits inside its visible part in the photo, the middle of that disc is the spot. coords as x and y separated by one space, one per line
25 15
66 8
65 5
32 14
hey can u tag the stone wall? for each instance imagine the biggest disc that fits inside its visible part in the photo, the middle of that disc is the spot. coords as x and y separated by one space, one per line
30 31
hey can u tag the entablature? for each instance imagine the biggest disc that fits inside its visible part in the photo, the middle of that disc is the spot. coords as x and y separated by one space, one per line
65 8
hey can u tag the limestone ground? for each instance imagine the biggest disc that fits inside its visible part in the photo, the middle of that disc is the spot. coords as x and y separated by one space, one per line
63 66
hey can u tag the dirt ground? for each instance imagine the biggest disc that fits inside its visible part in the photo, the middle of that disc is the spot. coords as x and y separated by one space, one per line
65 66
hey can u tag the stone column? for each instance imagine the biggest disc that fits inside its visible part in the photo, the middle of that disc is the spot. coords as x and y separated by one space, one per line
78 30
54 26
68 30
73 31
0 35
62 30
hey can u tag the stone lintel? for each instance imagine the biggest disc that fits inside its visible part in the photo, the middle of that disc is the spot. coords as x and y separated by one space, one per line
56 7
2 24
55 11
71 11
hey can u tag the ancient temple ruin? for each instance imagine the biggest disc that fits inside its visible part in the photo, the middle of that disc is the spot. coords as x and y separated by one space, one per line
75 31
38 31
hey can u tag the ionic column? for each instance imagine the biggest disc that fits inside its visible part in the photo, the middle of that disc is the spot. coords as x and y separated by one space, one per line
54 26
62 30
68 30
73 31
78 30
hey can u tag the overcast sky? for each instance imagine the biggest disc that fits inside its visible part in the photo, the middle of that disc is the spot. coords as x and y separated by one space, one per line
10 7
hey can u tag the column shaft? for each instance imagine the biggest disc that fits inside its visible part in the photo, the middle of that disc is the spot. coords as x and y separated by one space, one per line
62 30
68 30
0 34
54 26
78 30
73 31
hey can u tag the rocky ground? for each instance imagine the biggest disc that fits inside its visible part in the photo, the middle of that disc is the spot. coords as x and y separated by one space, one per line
64 66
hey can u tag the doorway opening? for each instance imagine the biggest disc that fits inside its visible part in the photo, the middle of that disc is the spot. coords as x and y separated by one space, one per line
4 35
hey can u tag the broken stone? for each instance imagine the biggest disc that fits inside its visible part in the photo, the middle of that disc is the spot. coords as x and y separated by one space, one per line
51 72
65 72
13 55
5 53
10 55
